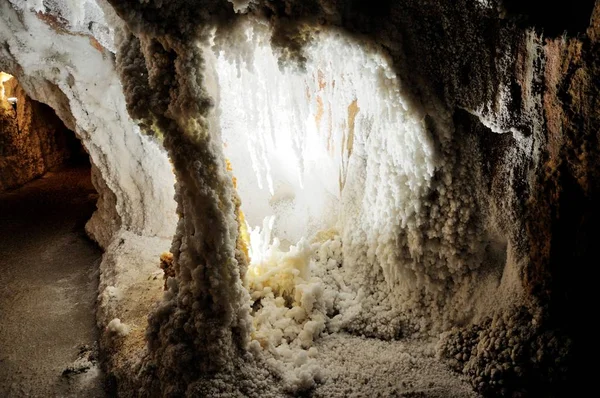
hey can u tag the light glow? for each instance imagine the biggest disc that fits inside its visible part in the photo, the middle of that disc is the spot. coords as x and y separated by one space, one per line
4 77
325 154
271 267
331 147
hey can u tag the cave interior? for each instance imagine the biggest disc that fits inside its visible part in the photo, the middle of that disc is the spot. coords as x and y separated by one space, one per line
280 198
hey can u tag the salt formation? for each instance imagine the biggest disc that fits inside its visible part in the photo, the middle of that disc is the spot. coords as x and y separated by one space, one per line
294 299
412 155
302 130
60 62
332 146
240 5
202 327
117 327
335 145
348 136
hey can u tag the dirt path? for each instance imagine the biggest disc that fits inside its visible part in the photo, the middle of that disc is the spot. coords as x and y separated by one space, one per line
48 284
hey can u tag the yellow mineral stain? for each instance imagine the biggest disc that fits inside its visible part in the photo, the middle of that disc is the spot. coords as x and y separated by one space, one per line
322 82
4 77
320 111
353 110
243 241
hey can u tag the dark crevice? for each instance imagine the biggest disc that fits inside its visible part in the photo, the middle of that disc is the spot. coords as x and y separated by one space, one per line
554 18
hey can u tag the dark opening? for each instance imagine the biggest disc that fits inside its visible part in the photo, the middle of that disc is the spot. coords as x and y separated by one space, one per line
555 18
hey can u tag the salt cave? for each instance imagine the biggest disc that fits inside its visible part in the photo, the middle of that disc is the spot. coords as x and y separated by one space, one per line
321 198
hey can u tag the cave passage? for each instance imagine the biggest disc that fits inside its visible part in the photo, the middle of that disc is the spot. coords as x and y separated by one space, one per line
346 198
48 266
33 140
48 284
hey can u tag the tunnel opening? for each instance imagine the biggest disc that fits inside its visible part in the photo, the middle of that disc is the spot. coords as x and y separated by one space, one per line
49 266
33 140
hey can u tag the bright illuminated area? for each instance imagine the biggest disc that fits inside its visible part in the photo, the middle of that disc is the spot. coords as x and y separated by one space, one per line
4 77
329 162
307 146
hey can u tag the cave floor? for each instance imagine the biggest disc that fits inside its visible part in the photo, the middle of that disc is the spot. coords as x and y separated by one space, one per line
48 288
362 367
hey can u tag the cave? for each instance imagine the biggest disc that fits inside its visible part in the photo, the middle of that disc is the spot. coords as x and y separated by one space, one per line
34 139
321 198
47 298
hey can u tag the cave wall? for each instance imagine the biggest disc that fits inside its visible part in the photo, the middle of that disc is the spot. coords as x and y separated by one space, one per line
61 56
510 109
33 139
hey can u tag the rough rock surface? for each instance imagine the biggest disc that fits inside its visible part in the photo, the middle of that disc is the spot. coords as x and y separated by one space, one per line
33 139
59 60
488 254
130 284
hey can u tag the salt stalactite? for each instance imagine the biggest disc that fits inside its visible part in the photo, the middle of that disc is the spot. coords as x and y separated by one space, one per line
307 128
240 5
336 145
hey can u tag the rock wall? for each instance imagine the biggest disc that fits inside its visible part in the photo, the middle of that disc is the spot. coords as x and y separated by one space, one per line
60 54
494 255
510 111
33 139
